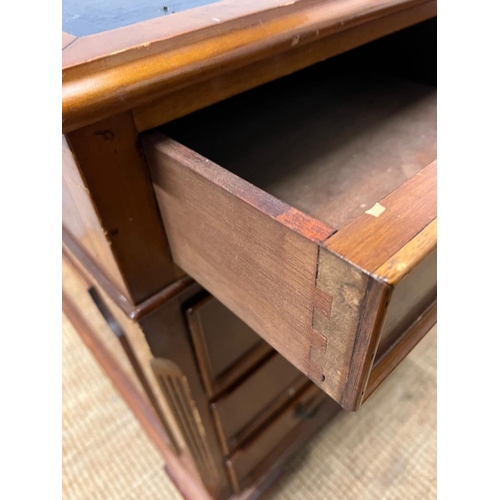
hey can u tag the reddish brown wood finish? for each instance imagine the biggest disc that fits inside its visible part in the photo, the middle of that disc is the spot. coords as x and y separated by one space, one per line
226 348
170 343
287 288
321 300
306 407
111 164
186 483
86 265
285 285
275 381
265 473
102 77
80 219
409 256
410 208
394 354
413 294
196 95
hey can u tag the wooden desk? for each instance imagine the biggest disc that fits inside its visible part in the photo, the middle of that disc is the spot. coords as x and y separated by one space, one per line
253 184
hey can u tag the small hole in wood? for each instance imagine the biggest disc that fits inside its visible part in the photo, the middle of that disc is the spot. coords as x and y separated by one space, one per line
322 378
373 355
363 393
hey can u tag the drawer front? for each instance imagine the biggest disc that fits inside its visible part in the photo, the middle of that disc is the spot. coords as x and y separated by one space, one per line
302 411
316 287
243 409
226 348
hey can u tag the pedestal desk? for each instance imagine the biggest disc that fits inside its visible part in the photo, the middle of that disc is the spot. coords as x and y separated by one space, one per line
249 197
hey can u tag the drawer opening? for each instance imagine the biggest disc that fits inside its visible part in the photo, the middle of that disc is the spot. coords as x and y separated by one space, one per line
331 140
307 207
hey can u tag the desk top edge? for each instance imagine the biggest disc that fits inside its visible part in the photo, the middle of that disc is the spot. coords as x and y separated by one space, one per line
101 67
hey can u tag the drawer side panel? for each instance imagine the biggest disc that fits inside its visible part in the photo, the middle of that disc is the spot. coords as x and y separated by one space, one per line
259 257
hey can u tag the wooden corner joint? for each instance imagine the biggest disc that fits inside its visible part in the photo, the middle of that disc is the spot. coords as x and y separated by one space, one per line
348 309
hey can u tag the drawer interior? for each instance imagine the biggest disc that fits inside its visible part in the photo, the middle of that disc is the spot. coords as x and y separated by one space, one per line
302 205
331 140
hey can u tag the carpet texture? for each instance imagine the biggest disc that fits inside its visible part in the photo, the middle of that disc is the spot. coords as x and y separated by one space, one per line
385 451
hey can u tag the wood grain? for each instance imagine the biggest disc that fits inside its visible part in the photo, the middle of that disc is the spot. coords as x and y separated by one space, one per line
269 470
166 332
96 87
111 163
240 370
133 359
224 344
235 245
335 323
410 256
413 294
237 409
200 94
176 391
164 30
408 210
81 220
394 354
366 343
78 282
412 273
312 305
178 472
350 138
84 264
246 459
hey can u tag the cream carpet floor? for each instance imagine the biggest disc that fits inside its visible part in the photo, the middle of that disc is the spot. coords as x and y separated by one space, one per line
385 451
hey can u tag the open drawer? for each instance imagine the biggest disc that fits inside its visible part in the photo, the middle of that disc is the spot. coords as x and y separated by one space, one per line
308 208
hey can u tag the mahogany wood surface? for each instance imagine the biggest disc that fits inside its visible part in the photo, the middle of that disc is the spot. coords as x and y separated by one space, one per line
413 294
251 261
111 164
169 339
394 354
81 221
236 410
325 142
258 484
78 283
133 359
197 95
305 407
240 370
221 342
307 207
267 472
180 468
412 272
410 256
412 207
279 266
86 265
188 485
312 292
113 72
